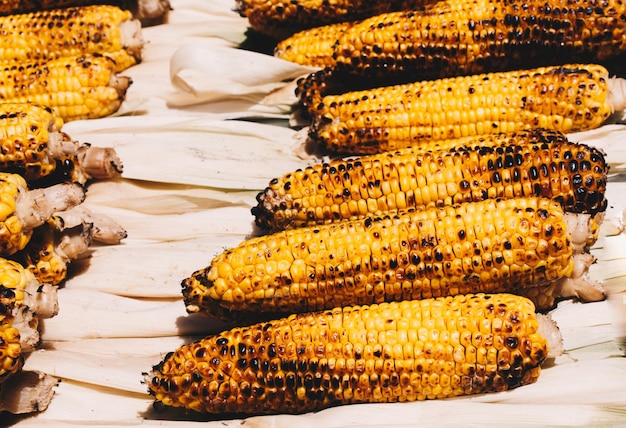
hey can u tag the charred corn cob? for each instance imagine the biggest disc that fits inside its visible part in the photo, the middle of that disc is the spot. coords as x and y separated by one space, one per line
34 146
50 251
280 19
47 35
21 209
392 352
510 245
11 359
452 37
146 11
570 98
536 162
82 87
23 301
313 47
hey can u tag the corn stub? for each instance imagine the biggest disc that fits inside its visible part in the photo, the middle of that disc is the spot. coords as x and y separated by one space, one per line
569 98
73 31
391 352
460 37
84 87
507 245
537 162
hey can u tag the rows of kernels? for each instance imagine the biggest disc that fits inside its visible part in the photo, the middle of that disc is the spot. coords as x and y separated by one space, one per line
10 350
84 30
455 38
406 351
569 99
12 237
573 174
494 245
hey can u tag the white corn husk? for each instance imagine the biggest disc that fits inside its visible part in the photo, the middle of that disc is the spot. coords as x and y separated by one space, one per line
235 155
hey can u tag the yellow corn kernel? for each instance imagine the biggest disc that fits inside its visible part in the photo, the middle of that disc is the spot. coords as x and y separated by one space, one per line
391 352
567 98
280 19
51 34
83 87
452 37
495 245
535 162
312 47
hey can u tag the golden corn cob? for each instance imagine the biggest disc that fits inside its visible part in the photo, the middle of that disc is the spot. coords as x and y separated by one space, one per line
391 352
47 35
84 87
34 146
11 359
22 209
570 98
23 302
313 47
280 19
50 251
453 37
510 245
146 11
536 162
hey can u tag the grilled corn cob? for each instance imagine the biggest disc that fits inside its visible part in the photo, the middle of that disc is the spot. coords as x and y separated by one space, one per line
510 245
392 352
34 146
23 301
50 251
280 19
535 162
146 11
21 209
570 98
452 37
84 87
313 47
11 359
47 35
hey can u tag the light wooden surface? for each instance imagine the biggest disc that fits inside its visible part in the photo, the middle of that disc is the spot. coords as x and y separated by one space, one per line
191 175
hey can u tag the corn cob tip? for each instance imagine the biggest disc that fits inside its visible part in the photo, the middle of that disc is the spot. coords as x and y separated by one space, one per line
35 207
99 162
617 93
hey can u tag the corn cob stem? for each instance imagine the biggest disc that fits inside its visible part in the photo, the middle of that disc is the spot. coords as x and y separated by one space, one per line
104 230
406 351
512 245
35 207
569 98
536 162
27 392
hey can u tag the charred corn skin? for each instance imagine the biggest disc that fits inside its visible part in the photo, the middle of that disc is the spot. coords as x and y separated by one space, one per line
280 19
568 98
312 47
13 235
83 87
489 246
25 131
392 352
10 350
41 258
453 37
525 163
73 31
